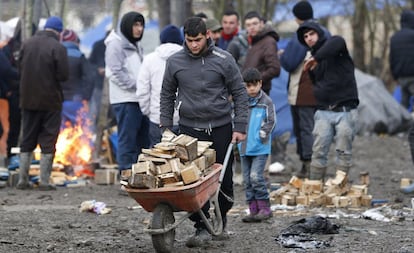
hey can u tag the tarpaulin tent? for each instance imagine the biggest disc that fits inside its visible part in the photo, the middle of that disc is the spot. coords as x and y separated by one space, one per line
378 110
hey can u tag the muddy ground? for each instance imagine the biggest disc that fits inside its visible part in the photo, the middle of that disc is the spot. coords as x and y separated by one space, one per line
33 221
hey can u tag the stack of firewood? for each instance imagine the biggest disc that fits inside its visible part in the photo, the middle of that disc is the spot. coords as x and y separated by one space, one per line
336 192
175 161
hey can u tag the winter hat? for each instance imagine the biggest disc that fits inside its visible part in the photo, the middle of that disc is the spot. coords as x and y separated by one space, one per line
171 34
213 25
54 23
69 35
303 10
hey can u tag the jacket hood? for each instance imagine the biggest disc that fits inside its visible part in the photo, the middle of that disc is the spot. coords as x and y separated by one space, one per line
113 36
312 25
267 31
407 19
127 22
167 49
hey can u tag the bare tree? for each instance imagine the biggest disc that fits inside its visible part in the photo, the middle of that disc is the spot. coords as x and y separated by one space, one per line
180 11
27 17
164 9
358 32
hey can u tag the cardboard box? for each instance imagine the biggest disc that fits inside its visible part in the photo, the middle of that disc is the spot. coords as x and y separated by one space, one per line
106 176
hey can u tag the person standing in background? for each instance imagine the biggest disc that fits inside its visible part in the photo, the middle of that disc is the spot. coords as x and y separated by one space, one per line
262 52
43 65
123 57
214 29
150 80
230 23
402 56
333 76
97 60
12 51
300 89
7 73
77 90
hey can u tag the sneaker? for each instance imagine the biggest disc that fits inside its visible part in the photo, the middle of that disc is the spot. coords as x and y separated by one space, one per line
200 238
24 186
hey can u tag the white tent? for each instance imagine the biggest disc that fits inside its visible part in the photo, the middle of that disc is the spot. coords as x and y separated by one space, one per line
378 110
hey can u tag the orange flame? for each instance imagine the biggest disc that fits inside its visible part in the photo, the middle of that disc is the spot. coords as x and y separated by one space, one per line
74 143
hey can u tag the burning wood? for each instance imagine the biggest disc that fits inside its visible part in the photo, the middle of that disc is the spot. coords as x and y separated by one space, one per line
74 143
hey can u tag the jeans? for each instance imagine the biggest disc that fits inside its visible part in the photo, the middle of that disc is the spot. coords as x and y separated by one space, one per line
411 140
330 126
303 122
133 129
253 177
407 90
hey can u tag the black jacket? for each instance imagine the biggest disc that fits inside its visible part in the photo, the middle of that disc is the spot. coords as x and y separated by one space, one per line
334 76
44 65
204 84
402 47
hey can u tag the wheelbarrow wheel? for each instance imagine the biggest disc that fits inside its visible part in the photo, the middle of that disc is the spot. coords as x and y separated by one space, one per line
161 217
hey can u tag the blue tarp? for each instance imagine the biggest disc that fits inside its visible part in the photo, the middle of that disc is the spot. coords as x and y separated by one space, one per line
98 32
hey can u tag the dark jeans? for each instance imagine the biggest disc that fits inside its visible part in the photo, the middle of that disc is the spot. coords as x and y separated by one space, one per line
15 117
411 140
133 129
40 127
221 138
407 90
303 122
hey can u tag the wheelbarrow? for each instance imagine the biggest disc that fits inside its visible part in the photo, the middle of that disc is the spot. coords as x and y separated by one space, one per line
163 202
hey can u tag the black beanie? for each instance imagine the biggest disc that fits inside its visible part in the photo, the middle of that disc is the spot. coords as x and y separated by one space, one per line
128 21
303 10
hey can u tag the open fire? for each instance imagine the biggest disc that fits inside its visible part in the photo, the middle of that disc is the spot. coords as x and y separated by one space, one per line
75 145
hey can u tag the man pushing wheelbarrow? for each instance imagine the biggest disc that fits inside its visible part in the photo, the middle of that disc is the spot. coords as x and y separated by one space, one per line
205 85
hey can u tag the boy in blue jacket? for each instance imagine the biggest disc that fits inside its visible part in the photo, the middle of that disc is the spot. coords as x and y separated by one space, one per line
255 149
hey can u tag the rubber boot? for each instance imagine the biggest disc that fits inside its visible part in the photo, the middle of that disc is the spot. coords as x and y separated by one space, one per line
317 173
305 170
253 210
264 210
46 163
24 166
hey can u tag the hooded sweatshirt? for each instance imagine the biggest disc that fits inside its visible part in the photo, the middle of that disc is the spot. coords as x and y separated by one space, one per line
334 76
123 58
402 47
150 80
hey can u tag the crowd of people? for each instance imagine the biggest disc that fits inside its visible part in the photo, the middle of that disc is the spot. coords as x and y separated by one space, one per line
209 80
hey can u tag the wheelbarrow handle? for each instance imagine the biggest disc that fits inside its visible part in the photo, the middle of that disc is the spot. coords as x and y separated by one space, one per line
225 162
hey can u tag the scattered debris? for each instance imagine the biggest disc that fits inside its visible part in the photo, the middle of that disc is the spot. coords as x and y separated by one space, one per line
336 192
297 235
94 206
